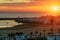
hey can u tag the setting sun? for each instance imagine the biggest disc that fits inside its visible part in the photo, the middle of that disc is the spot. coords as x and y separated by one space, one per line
54 8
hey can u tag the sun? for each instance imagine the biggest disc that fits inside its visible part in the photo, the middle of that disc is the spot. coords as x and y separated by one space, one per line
54 8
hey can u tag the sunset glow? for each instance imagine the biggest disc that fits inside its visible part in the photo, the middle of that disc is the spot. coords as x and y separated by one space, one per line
48 6
15 1
54 8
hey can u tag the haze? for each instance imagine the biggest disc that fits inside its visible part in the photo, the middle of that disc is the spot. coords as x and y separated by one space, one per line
43 6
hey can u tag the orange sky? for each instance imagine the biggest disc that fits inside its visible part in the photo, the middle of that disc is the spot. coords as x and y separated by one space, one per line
29 6
36 5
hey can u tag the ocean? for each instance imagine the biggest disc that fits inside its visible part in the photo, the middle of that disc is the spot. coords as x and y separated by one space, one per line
7 23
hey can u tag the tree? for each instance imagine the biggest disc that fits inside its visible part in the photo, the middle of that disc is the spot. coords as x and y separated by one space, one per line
59 31
51 31
36 33
31 33
9 35
44 32
40 34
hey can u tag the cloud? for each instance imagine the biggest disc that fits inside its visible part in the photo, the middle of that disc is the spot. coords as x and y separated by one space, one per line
14 1
34 5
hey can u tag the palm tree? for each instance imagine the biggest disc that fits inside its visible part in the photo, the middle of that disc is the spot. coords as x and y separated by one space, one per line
9 35
13 36
36 33
17 33
52 21
31 33
21 33
44 32
40 34
51 31
59 31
